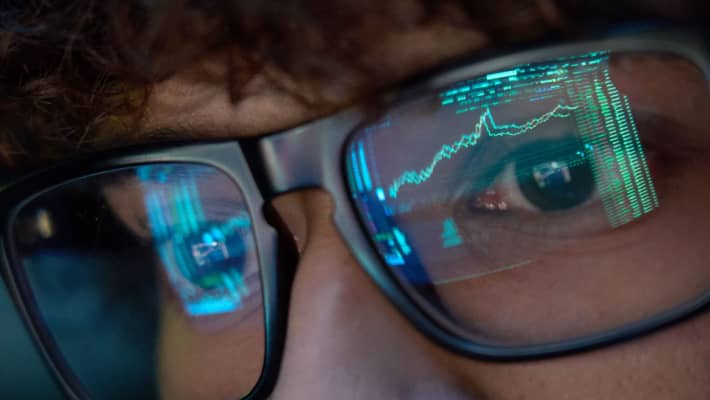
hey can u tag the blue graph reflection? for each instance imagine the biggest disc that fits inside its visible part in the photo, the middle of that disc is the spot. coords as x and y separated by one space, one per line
202 234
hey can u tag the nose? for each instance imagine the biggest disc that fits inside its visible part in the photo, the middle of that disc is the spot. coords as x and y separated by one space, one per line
345 340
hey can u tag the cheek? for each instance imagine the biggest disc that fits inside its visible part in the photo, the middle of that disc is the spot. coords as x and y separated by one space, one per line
208 363
580 286
671 364
596 285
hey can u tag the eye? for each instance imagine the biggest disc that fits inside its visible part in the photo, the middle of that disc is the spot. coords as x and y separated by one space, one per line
542 176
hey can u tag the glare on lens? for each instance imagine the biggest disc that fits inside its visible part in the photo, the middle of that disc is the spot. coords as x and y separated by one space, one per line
44 224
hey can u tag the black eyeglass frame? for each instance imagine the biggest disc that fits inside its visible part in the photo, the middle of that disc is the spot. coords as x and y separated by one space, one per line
312 156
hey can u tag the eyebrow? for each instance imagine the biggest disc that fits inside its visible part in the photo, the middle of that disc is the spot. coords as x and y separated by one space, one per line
176 133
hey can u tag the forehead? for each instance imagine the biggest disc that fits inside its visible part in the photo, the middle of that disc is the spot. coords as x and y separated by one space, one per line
327 64
309 58
272 99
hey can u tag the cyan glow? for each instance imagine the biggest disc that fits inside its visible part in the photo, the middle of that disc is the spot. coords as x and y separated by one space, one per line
355 170
450 235
203 258
394 258
572 96
365 171
502 74
402 241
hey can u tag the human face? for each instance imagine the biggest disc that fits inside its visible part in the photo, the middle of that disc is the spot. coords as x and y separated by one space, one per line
344 340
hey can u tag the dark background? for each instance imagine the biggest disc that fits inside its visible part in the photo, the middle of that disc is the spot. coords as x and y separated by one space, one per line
23 375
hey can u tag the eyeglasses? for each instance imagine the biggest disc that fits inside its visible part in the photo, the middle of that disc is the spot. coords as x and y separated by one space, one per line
536 204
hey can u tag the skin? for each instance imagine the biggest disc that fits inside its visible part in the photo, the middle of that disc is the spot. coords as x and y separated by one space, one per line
344 339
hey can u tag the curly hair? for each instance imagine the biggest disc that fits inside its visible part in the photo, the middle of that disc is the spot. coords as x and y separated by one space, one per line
76 74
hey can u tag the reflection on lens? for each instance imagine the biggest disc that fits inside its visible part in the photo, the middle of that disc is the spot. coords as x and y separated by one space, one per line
554 175
204 260
145 272
500 200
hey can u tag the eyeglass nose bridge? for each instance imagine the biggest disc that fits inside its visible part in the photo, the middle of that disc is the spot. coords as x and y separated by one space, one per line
308 156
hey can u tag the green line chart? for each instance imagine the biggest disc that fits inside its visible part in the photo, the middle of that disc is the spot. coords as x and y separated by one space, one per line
486 124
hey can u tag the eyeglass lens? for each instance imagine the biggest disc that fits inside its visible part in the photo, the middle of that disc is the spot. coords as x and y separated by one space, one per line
545 202
139 271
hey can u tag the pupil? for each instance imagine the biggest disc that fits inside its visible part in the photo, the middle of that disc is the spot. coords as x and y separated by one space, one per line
555 175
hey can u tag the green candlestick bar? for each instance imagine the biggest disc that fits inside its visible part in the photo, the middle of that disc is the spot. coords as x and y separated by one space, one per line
609 132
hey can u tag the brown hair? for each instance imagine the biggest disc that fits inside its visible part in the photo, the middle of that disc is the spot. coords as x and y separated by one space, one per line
74 73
